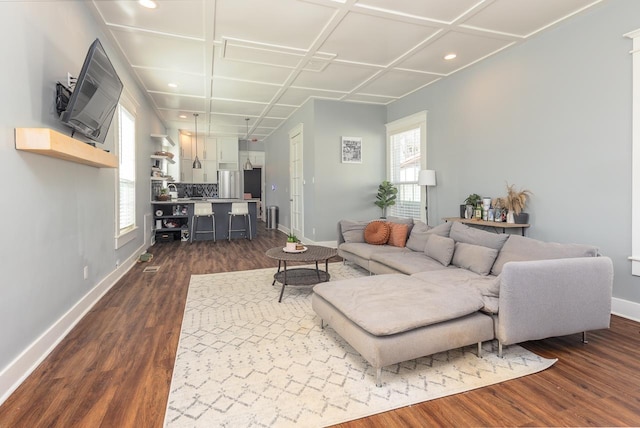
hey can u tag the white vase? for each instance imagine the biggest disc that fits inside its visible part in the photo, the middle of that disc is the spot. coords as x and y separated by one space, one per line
510 217
291 246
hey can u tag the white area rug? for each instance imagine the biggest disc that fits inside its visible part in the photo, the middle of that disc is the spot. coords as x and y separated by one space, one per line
245 360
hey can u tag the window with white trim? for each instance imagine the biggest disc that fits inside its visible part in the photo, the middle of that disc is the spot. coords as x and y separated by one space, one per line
126 186
406 156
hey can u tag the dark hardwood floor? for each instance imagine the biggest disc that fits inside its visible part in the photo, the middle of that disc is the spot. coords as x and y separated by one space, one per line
114 368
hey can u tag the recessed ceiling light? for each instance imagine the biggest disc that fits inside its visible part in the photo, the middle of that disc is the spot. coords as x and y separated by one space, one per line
149 4
183 116
172 85
450 56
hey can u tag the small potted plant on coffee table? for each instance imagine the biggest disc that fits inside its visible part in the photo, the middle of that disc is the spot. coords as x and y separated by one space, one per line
292 242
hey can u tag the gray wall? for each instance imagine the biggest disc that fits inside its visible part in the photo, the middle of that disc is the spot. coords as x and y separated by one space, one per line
58 215
332 190
552 115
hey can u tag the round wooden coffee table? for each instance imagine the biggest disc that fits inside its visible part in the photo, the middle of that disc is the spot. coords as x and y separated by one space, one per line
301 276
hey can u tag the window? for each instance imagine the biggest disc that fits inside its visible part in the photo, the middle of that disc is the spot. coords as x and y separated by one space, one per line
126 186
406 156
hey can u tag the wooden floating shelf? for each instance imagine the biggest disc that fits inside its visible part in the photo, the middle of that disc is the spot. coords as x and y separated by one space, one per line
47 142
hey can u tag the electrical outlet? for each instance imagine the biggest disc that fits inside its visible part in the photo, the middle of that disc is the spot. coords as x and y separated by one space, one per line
117 263
86 272
313 231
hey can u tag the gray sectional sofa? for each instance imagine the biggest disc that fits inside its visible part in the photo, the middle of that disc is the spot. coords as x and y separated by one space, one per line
454 285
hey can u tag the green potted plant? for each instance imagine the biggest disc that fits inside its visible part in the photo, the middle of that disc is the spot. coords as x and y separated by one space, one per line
386 196
292 241
163 195
472 200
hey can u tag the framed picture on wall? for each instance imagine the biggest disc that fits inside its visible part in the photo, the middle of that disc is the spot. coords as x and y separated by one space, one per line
351 149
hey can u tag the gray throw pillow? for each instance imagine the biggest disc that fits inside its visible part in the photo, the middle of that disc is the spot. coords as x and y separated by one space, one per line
440 248
353 231
476 258
418 236
470 235
520 248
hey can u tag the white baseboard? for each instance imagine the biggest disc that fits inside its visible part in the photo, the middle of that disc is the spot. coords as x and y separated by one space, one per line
20 368
625 309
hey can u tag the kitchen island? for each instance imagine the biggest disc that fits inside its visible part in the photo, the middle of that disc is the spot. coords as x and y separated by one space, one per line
172 219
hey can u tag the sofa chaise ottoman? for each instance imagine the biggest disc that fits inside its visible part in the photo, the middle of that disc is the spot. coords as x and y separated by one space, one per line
378 316
452 286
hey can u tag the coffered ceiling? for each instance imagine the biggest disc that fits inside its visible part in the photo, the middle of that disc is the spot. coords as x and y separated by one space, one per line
262 59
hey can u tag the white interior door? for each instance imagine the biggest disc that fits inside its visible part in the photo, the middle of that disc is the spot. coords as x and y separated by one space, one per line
296 181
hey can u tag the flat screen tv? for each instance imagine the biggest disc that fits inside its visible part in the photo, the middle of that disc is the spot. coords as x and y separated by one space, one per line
92 104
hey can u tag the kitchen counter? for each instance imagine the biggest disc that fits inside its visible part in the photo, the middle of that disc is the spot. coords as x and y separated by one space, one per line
182 220
212 200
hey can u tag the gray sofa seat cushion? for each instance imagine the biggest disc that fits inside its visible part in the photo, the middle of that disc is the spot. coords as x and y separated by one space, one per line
469 235
384 305
520 249
408 262
366 251
486 287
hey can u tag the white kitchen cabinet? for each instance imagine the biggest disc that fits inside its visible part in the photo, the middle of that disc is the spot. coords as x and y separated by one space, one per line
207 174
228 153
207 154
186 151
209 151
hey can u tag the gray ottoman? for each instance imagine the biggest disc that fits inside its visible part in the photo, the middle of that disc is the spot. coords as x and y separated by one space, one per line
393 318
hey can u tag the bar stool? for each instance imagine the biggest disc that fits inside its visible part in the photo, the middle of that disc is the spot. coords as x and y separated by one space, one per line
237 209
203 209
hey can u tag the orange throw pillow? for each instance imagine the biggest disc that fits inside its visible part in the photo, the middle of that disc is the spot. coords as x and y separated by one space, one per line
398 234
377 233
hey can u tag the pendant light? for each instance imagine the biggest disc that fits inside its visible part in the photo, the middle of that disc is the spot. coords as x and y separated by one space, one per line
247 166
196 161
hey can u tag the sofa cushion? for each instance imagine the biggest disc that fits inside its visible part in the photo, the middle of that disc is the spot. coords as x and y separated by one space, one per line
376 233
440 249
388 304
366 251
353 231
418 236
398 234
520 248
469 235
407 262
476 258
421 232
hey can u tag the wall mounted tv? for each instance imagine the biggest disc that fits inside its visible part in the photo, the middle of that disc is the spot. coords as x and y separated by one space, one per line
89 109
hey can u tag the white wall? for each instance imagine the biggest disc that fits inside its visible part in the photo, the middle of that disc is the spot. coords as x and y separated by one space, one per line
58 216
552 115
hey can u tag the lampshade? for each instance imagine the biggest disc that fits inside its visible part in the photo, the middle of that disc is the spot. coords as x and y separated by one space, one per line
427 177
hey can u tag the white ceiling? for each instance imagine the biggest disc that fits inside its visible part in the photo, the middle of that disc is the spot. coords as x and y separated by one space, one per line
262 59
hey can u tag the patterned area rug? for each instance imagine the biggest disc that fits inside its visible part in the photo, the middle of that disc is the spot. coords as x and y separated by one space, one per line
245 360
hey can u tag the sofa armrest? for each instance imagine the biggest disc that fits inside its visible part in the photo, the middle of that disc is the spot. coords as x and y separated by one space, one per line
548 298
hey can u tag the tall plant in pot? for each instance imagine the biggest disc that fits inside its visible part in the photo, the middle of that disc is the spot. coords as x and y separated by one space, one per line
386 196
515 202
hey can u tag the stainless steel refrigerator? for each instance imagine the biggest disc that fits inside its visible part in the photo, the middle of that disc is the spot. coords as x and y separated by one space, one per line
228 184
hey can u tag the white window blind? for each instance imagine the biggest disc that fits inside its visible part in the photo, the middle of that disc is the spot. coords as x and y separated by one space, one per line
404 167
127 170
